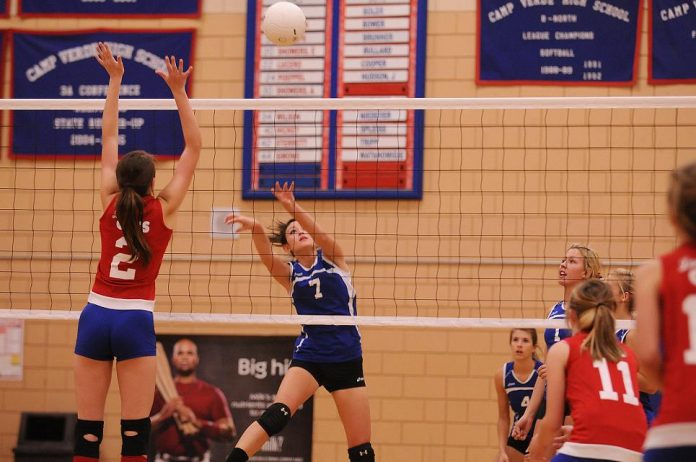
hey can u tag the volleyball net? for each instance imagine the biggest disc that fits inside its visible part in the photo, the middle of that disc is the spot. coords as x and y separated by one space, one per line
505 186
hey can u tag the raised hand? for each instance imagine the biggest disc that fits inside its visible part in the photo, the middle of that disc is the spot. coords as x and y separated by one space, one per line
175 76
243 223
285 194
114 67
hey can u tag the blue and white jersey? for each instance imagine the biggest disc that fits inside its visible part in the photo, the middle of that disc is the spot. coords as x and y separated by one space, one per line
324 289
553 336
519 392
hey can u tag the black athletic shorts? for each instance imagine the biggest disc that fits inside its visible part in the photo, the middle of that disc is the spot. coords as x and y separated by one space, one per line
519 445
335 376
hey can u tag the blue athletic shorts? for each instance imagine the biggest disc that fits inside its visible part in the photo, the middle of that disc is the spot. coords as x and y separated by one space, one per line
677 454
104 334
567 458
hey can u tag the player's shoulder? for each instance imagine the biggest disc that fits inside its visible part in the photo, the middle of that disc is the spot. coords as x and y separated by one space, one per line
557 310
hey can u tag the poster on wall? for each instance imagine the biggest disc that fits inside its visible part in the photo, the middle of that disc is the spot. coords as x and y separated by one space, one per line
62 65
248 370
568 42
671 41
351 49
11 349
4 8
110 8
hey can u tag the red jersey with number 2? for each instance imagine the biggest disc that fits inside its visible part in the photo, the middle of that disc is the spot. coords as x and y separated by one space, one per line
118 277
603 398
678 332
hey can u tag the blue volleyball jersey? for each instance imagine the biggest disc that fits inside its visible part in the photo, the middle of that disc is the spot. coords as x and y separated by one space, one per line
518 392
650 402
324 289
553 336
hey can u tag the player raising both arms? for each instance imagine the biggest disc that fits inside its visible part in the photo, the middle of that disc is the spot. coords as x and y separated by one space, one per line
666 306
318 280
135 229
598 377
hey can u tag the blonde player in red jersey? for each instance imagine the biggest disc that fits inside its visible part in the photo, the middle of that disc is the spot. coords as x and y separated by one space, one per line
666 331
135 229
598 377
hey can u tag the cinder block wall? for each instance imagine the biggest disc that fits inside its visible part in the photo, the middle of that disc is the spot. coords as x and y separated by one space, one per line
431 390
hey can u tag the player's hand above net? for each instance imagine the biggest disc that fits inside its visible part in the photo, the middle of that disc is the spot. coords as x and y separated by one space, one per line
175 77
113 66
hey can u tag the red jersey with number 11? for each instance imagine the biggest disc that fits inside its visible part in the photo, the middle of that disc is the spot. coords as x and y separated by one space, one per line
120 283
608 419
678 332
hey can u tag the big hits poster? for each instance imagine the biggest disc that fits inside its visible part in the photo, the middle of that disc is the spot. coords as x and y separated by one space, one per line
248 370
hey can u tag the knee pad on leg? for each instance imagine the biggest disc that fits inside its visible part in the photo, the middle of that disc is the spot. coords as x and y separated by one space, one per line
361 453
135 435
275 418
88 437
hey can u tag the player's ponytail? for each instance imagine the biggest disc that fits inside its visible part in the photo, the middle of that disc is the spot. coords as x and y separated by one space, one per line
624 279
134 174
682 198
593 304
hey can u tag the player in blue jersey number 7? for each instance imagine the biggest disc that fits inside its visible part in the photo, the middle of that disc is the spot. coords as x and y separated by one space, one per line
318 280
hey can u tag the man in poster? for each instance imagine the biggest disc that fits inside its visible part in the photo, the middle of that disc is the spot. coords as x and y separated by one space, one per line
200 405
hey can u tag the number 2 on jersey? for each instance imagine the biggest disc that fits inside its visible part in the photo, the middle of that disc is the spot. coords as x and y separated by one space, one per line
607 392
117 273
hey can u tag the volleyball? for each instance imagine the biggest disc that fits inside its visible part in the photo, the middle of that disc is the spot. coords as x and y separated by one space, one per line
284 23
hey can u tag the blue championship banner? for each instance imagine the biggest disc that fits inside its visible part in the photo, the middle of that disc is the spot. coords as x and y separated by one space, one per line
672 41
111 8
566 42
248 371
62 65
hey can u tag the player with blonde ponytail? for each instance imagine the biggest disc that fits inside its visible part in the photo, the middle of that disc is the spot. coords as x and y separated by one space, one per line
598 376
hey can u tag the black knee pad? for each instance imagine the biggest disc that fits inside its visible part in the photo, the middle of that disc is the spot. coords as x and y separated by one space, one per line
137 444
361 453
84 447
275 418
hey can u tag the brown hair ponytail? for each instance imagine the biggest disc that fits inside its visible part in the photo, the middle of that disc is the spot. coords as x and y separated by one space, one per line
134 174
593 303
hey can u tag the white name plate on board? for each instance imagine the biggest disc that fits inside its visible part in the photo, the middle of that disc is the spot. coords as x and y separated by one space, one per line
373 142
396 36
290 117
378 10
375 76
384 115
373 155
302 155
377 24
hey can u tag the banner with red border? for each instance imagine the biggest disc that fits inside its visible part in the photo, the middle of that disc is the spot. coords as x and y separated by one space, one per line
110 8
61 64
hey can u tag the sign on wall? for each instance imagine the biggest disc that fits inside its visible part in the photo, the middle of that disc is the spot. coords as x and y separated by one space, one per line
351 49
62 65
558 42
672 41
249 370
110 8
11 349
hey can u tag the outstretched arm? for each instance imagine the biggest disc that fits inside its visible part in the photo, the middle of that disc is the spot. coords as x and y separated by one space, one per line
285 195
279 269
109 156
173 194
